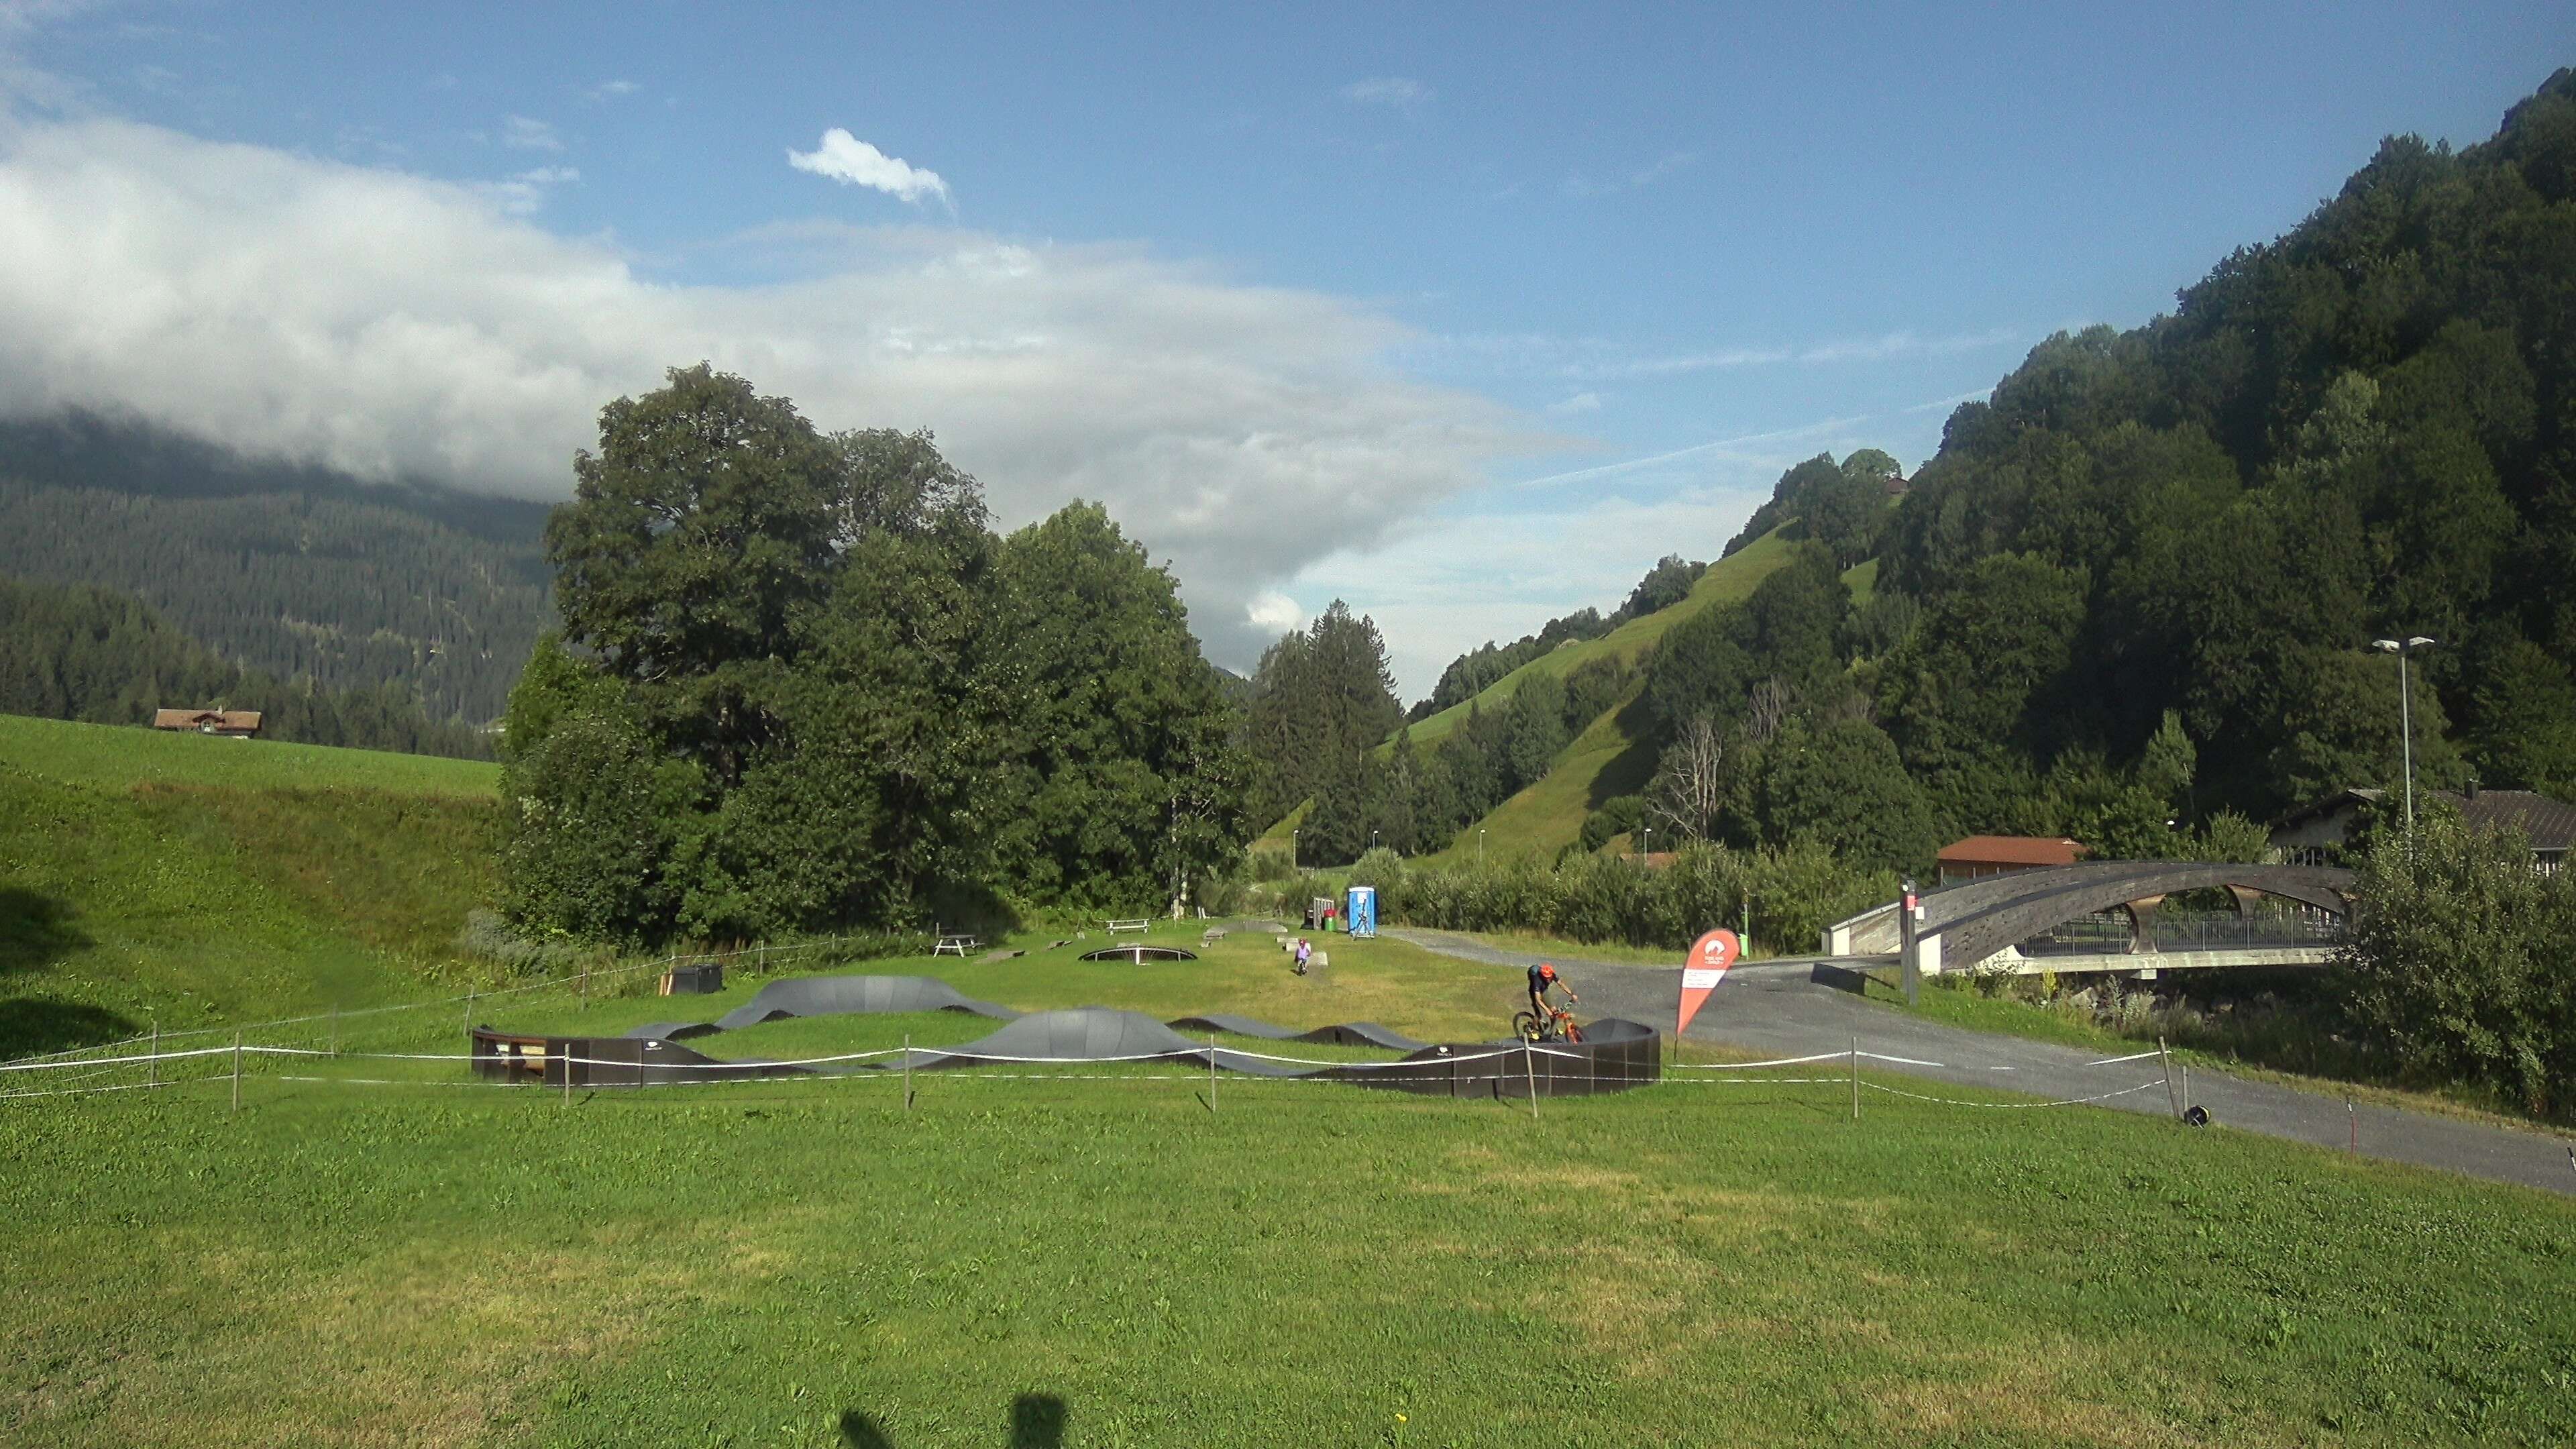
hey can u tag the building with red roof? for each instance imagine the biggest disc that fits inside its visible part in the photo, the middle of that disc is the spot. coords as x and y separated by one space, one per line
1980 856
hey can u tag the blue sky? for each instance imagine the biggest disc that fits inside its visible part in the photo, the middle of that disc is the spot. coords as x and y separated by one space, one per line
1465 315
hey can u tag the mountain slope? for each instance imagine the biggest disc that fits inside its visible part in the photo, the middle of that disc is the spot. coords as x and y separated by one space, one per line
1613 755
1728 581
297 572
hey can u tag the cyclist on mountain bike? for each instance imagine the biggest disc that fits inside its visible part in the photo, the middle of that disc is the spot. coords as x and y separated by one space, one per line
1541 977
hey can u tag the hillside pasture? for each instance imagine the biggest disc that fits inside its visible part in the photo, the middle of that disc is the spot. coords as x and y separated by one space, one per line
1730 580
183 881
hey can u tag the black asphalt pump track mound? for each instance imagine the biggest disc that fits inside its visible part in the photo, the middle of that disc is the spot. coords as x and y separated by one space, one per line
1614 1054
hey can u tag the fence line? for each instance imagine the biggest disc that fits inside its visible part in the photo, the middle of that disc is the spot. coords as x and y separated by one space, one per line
464 998
1679 1074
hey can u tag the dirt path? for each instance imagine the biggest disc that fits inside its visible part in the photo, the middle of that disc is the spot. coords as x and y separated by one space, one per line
1788 1008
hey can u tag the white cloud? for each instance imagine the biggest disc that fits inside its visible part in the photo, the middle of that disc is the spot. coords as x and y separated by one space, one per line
1274 613
248 296
1632 179
1397 91
524 193
610 90
1886 347
1581 402
525 133
853 162
1945 404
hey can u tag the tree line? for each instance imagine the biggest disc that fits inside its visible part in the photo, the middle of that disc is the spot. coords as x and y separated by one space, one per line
80 652
294 571
801 685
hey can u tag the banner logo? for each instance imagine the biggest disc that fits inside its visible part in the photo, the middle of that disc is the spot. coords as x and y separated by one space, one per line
1706 966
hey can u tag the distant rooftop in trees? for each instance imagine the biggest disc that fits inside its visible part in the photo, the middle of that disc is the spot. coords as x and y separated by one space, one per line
1985 855
208 721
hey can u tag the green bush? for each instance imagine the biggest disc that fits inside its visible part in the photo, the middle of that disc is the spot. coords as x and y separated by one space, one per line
2462 961
1794 893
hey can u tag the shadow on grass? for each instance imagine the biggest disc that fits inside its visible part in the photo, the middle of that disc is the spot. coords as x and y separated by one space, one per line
33 1025
1037 1422
36 930
1629 771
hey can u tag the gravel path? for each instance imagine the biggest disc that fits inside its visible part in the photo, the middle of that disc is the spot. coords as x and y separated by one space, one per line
1792 1008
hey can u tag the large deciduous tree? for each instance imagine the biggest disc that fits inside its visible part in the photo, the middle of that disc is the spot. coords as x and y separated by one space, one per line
804 687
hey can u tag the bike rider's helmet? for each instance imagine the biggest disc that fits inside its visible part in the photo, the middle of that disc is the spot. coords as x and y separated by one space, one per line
1546 972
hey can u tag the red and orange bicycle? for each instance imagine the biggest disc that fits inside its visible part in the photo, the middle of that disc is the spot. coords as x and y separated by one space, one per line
1558 1025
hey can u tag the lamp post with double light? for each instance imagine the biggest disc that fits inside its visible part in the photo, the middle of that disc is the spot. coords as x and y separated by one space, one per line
2406 710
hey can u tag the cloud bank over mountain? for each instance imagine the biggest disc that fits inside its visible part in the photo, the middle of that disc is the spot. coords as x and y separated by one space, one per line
394 326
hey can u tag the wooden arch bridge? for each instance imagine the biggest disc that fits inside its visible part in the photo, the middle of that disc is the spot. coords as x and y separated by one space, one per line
2015 923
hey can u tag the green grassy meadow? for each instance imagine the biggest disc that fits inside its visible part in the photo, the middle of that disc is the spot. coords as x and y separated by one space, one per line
376 1249
1110 1262
186 880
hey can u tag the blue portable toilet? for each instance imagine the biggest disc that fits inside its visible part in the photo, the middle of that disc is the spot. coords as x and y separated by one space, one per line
1362 914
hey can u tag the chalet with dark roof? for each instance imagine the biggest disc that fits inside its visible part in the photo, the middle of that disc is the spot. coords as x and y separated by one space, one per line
2313 834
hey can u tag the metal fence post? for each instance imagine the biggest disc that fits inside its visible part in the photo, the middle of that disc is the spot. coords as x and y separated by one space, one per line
907 1071
1211 1074
155 1065
1529 1073
236 1071
1855 1077
2165 1056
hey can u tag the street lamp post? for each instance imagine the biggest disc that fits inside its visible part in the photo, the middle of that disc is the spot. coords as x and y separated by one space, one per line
1649 846
1480 845
1912 962
1372 840
2405 710
1292 849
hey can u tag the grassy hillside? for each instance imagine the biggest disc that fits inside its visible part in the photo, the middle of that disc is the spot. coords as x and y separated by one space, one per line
1606 759
1862 579
1729 580
1612 755
187 880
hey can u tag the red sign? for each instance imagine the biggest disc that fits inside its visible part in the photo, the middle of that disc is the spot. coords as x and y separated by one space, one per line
1710 955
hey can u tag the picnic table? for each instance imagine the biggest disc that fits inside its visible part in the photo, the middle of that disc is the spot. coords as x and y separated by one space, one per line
956 945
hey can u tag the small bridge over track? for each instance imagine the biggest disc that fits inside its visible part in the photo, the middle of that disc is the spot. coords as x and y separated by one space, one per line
2108 916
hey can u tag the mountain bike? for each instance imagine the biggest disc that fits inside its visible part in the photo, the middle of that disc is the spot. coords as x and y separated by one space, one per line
1558 1025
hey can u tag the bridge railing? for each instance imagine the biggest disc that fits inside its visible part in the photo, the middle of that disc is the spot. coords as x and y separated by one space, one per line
2110 933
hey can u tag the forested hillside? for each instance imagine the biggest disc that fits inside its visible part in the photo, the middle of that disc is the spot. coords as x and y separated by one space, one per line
76 652
2366 428
2132 599
298 573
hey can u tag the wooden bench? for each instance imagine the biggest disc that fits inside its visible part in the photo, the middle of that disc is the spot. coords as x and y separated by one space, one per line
1139 926
956 946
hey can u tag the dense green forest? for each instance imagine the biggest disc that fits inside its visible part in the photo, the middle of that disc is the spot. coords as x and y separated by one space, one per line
802 685
2131 599
79 652
2366 428
296 572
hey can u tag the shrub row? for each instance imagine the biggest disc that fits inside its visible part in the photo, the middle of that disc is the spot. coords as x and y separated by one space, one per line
1793 893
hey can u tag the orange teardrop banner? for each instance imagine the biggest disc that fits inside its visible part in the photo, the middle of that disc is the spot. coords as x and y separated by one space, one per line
1710 955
